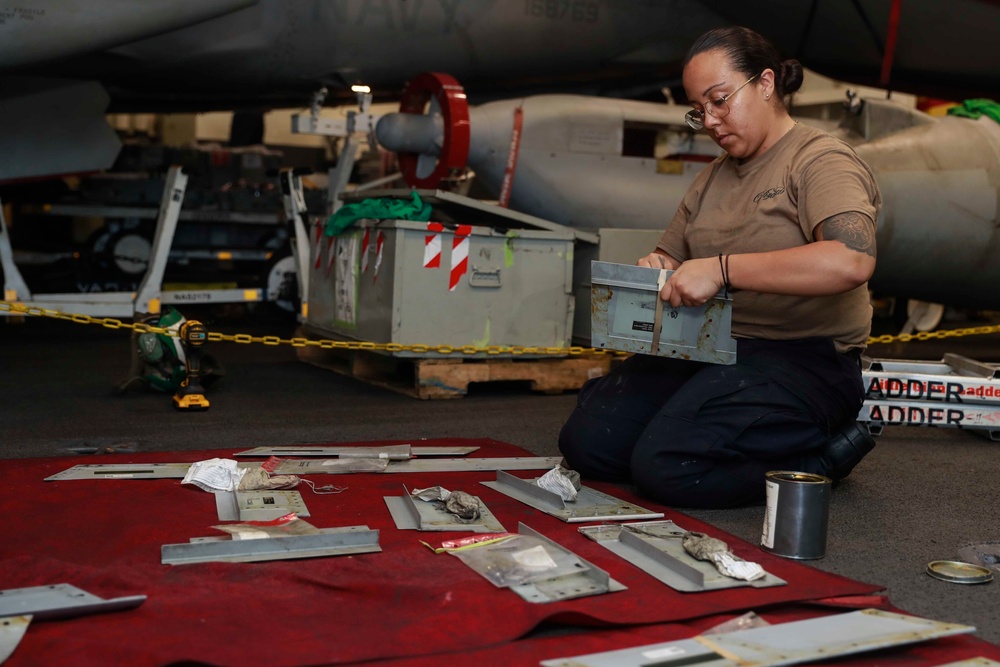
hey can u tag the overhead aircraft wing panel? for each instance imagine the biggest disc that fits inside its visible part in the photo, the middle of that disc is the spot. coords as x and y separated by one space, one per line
279 52
944 48
35 31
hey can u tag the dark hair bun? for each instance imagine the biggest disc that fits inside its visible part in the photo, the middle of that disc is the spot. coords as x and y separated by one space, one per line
790 76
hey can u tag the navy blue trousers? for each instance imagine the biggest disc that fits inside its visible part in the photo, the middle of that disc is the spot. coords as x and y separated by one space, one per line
691 434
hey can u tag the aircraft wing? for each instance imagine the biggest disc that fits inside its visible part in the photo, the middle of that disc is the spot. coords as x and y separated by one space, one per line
35 31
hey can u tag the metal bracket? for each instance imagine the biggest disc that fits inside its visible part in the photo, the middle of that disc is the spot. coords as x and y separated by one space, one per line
590 505
12 630
627 314
783 644
655 548
410 514
591 580
259 505
344 541
46 603
391 452
303 467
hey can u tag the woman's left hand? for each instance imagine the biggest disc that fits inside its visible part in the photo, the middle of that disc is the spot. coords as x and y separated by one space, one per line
693 283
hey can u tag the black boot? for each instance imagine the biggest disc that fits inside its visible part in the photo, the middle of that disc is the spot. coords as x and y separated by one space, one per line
845 448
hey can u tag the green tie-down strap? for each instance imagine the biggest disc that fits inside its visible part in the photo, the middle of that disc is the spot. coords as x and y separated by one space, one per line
383 208
976 108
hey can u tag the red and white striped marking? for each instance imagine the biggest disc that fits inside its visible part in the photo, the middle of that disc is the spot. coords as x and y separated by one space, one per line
364 249
379 242
332 253
318 251
459 255
432 245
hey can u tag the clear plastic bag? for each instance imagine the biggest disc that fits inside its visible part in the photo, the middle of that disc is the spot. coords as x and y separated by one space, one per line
519 560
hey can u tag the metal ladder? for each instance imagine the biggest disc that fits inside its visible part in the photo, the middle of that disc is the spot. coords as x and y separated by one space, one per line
956 392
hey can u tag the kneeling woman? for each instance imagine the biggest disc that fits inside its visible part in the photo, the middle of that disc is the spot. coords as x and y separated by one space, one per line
786 219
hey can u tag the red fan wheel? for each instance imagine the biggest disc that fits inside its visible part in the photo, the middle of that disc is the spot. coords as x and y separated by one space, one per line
446 97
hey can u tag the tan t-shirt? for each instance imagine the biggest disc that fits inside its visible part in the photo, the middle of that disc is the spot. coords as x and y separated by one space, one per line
773 202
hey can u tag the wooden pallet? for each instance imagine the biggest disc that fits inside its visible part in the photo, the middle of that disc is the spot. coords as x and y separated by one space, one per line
450 378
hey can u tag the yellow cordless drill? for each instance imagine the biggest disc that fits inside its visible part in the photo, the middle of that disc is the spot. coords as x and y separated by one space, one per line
190 396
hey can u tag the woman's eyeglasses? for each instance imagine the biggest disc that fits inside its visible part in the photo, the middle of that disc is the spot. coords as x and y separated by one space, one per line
718 108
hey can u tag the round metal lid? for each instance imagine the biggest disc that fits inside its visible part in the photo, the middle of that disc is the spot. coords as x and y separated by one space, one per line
957 572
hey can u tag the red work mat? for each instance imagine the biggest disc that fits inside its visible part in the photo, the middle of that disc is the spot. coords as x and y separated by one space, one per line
104 536
583 641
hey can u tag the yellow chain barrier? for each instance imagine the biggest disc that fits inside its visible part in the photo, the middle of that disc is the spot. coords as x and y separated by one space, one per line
928 335
326 344
112 323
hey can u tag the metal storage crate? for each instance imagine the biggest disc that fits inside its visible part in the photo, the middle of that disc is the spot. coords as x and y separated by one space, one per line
379 281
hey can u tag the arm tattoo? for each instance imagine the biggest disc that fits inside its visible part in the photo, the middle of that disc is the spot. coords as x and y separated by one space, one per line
852 229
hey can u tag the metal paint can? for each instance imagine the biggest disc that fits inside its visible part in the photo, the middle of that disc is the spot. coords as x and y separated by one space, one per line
797 514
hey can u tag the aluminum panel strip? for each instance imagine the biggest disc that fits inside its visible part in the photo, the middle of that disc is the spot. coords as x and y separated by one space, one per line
776 645
472 465
393 452
306 467
271 548
123 471
590 505
130 471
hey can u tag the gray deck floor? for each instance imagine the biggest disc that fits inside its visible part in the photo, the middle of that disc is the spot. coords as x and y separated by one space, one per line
921 495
